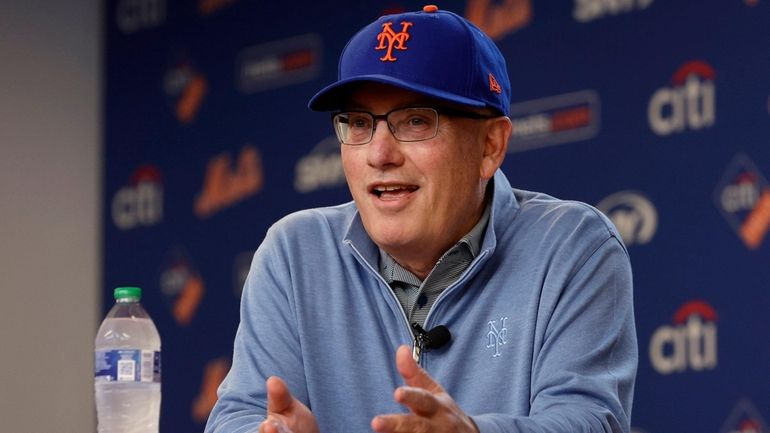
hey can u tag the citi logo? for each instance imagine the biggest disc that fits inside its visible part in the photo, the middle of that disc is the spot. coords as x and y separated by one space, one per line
743 196
688 104
633 214
690 343
589 10
141 202
321 168
134 15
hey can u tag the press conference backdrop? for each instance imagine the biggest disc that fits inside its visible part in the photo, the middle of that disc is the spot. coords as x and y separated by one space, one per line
657 112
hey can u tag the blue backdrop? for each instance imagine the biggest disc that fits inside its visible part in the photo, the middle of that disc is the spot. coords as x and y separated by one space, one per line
655 111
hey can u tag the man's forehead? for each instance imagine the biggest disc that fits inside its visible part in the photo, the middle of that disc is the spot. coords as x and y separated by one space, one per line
368 95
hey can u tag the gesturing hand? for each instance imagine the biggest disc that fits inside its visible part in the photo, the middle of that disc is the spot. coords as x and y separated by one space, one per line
432 409
286 414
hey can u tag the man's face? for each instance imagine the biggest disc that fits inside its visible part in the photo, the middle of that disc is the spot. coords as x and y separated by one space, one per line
416 199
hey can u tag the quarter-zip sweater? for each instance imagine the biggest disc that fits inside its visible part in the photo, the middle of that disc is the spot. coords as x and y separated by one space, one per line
542 323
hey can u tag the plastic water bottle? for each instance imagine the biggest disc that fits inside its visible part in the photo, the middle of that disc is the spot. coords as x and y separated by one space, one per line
127 367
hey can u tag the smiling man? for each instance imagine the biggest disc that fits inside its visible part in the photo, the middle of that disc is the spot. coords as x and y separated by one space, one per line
441 299
419 180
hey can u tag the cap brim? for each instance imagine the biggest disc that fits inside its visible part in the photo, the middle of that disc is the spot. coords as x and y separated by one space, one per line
334 96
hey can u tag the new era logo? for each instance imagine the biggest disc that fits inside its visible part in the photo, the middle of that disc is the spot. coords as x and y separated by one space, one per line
494 85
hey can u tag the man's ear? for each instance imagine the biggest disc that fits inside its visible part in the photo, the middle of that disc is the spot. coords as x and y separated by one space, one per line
498 131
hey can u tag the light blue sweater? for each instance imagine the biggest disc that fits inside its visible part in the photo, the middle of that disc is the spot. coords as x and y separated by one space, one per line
542 323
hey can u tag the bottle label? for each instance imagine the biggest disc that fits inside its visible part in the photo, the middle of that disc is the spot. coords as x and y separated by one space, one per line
127 365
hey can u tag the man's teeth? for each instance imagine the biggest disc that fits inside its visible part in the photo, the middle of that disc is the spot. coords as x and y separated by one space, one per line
390 188
379 190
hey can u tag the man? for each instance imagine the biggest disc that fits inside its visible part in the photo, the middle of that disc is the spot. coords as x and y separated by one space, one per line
535 292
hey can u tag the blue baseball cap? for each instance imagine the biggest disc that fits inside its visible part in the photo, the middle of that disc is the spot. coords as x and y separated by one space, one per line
432 52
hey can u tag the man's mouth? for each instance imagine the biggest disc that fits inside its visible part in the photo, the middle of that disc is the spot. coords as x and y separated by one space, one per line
386 192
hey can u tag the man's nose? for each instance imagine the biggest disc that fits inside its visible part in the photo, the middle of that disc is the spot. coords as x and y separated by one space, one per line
384 149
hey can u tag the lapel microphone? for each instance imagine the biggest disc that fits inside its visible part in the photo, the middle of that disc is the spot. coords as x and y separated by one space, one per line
433 339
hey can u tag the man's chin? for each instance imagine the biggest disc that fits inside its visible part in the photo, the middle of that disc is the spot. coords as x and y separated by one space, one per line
392 240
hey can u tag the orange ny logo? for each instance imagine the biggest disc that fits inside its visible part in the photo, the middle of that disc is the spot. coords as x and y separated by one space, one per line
393 40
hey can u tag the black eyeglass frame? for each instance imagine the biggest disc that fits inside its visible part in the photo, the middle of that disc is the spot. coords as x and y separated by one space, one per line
440 111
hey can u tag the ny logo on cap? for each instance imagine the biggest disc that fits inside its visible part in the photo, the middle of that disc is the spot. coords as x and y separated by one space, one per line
393 39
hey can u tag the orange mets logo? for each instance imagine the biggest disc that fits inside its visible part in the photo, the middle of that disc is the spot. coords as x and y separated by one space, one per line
394 40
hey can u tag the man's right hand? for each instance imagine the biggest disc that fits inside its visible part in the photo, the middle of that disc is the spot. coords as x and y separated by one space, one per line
286 414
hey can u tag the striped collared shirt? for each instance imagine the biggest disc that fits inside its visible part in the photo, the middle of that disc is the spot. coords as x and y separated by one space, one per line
417 297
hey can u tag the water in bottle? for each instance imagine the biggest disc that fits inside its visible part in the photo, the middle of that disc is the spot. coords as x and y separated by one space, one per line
127 367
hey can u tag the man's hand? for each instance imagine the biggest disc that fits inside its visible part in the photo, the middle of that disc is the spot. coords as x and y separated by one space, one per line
286 414
432 409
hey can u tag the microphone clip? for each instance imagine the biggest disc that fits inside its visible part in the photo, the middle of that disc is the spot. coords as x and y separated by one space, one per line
425 341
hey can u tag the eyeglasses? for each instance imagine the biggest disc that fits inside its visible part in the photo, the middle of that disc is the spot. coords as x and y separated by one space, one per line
406 124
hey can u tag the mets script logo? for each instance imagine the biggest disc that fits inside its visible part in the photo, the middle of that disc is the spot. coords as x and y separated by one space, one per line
496 337
388 40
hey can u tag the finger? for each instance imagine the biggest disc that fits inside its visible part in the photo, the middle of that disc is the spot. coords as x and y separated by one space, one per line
279 399
399 423
418 400
412 373
273 426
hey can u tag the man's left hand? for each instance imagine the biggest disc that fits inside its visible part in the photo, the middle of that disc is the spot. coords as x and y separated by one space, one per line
432 409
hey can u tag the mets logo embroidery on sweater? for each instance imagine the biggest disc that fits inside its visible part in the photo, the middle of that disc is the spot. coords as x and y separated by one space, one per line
496 337
390 40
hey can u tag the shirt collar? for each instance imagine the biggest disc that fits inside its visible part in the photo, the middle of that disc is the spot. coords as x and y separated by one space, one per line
470 244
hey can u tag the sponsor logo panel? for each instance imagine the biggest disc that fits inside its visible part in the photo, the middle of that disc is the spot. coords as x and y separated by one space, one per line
213 375
186 88
589 10
140 203
321 168
743 196
134 15
745 418
279 63
688 104
634 215
498 19
182 287
208 7
225 185
689 343
554 120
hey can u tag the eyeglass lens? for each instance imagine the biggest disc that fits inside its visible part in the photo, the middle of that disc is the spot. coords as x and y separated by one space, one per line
406 124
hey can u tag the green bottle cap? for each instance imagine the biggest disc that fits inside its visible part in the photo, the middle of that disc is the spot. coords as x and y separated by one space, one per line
128 292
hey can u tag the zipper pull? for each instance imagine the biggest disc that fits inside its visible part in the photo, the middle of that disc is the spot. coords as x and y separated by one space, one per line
425 341
419 342
417 349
